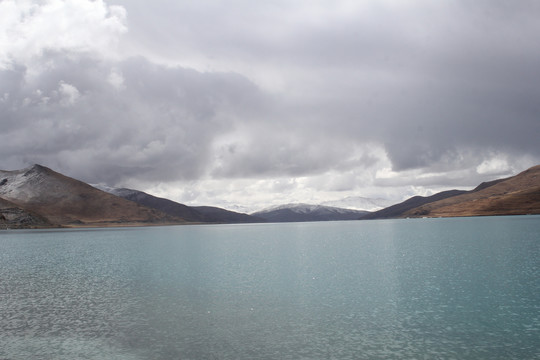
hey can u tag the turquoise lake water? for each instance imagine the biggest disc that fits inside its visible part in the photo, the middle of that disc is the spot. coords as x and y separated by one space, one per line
460 288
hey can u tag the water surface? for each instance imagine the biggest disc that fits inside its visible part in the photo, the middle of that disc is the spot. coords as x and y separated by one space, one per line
461 288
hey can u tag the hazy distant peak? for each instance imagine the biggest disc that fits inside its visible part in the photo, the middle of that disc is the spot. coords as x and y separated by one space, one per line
307 212
103 187
359 203
297 207
308 208
122 192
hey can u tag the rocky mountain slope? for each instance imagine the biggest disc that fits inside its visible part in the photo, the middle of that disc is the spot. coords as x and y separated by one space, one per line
15 217
62 200
517 195
306 212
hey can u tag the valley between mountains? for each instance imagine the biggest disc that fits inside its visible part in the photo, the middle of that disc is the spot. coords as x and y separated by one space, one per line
38 197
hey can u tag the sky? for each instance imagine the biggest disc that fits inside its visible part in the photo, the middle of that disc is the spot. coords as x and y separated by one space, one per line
245 104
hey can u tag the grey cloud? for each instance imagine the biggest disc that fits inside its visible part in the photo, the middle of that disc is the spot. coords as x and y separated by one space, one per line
462 180
159 125
281 150
441 85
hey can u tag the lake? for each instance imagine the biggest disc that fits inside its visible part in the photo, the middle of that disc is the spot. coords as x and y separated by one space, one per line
458 288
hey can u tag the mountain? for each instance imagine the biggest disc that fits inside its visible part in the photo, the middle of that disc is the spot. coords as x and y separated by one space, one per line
15 217
305 212
62 200
398 210
219 215
517 195
40 197
165 205
358 203
201 214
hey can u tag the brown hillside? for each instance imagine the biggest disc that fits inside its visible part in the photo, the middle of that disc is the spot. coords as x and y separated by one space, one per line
15 217
517 195
66 201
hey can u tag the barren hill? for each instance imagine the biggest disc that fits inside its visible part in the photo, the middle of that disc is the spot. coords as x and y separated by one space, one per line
65 201
164 205
517 195
398 210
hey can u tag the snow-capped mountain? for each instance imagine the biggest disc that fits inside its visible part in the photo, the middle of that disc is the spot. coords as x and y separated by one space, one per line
359 203
307 212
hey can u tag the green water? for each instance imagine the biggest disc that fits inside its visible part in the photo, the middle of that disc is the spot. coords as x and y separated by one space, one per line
462 288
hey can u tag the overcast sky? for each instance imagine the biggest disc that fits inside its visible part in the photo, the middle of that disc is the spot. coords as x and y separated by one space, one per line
255 103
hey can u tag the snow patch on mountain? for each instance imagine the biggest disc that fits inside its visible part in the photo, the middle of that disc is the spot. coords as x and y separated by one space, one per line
301 208
308 212
360 203
22 184
122 192
104 187
296 207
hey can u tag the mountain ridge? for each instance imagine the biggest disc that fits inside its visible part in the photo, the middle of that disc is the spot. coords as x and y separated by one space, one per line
299 212
396 210
359 203
66 201
515 195
37 196
195 214
165 205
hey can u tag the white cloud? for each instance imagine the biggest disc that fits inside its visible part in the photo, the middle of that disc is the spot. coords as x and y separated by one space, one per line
116 79
27 28
69 93
497 165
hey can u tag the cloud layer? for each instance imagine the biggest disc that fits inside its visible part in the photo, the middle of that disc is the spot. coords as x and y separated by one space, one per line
214 102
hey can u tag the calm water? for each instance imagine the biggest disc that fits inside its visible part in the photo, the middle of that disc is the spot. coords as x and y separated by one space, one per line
463 288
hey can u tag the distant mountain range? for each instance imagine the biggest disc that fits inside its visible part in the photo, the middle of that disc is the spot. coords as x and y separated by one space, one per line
38 197
306 212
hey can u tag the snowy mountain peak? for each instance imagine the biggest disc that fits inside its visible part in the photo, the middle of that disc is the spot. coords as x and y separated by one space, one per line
24 183
359 203
122 192
295 207
307 212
